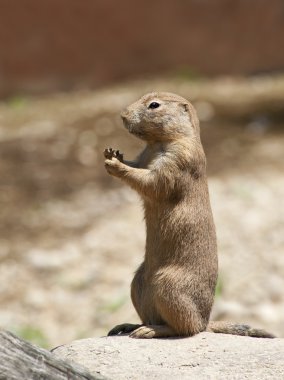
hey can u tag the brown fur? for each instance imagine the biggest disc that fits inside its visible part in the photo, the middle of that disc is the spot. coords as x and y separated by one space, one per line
173 289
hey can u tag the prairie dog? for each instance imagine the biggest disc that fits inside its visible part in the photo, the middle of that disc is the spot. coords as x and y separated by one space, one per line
173 289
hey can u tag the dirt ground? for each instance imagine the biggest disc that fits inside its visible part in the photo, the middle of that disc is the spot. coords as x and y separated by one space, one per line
71 236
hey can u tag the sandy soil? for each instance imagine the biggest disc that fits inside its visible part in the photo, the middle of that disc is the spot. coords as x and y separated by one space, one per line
71 236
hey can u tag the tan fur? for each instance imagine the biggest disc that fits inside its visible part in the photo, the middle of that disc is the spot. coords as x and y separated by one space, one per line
173 289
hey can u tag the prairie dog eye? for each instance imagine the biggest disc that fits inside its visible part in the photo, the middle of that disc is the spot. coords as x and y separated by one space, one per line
154 105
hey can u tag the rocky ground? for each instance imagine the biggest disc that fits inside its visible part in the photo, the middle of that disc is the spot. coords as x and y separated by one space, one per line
71 236
205 356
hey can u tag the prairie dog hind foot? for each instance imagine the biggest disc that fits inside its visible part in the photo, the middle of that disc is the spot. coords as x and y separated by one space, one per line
124 328
153 331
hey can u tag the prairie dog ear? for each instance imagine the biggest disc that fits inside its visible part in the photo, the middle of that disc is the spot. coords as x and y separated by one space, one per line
185 107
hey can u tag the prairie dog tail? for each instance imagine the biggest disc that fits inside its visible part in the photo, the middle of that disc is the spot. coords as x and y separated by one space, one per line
237 329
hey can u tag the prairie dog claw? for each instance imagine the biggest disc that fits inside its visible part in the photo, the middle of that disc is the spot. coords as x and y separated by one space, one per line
109 153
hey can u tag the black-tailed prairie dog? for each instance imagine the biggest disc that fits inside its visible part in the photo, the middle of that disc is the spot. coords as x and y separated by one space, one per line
173 289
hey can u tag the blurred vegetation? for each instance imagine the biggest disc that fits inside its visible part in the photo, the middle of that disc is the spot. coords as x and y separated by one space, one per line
32 334
115 304
219 287
187 73
17 102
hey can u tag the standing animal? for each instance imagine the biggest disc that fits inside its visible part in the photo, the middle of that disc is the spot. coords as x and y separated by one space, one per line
173 289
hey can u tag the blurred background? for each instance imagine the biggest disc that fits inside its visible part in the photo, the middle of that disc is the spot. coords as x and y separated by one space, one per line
72 236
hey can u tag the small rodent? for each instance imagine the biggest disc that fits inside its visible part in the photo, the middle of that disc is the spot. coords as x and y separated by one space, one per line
173 289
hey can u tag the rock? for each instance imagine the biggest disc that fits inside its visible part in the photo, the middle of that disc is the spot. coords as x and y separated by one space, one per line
204 356
21 360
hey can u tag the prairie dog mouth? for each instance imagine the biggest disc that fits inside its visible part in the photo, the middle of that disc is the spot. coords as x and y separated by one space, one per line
133 129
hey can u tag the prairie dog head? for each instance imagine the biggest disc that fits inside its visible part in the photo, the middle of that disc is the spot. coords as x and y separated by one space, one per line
161 116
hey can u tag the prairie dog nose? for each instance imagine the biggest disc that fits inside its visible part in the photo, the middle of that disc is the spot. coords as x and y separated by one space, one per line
125 113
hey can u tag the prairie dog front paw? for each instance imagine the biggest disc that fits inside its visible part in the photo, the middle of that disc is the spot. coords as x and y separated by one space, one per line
110 153
114 166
